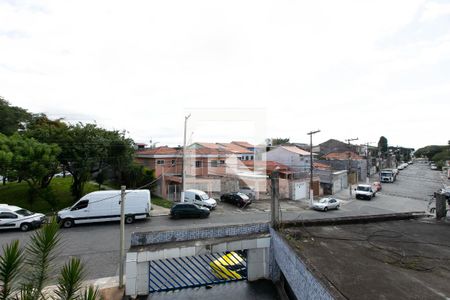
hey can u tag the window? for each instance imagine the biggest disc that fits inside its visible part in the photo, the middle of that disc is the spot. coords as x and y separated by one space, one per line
198 163
80 205
7 215
197 197
173 162
160 162
240 158
222 162
251 157
214 163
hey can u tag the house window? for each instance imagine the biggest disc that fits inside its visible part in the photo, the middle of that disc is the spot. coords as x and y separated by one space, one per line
251 157
240 158
173 162
160 162
222 162
198 163
214 163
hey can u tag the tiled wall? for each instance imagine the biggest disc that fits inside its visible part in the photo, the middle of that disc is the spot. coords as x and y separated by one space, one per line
300 279
156 237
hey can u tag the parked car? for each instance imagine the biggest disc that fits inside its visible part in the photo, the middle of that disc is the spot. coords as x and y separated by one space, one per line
16 217
62 174
239 199
200 198
248 191
325 204
188 210
102 206
364 191
433 167
229 266
377 186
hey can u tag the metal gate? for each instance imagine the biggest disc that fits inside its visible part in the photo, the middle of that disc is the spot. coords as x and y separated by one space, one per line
194 271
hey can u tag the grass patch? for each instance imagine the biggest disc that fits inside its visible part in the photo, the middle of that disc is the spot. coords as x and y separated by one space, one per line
161 202
14 193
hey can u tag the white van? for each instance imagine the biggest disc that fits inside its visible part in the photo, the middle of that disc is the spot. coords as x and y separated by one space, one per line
200 198
16 217
104 206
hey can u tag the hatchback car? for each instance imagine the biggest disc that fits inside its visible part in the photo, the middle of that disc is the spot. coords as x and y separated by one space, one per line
325 204
230 266
188 210
16 217
239 199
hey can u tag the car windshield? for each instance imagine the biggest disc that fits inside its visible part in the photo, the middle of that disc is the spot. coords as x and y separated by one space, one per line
363 188
323 200
385 174
23 212
205 197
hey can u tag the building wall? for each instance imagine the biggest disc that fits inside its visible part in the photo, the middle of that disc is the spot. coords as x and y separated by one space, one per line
301 280
294 161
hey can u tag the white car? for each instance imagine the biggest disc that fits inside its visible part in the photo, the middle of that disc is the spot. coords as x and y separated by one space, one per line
365 191
200 198
325 204
16 217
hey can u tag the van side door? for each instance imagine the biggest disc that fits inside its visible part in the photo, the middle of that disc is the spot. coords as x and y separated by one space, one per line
80 211
198 200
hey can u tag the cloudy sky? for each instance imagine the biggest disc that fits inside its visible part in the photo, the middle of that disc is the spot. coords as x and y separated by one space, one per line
245 70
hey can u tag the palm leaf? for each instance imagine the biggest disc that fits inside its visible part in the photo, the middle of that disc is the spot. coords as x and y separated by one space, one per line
91 293
10 264
70 280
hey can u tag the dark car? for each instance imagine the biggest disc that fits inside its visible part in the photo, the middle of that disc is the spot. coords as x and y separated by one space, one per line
188 210
239 199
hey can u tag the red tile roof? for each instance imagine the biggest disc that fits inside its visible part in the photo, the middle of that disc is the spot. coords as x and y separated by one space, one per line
235 148
342 156
243 144
268 165
164 150
321 166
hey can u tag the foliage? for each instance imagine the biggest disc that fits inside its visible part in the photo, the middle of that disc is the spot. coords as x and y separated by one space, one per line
6 158
279 141
161 202
25 276
10 263
13 118
137 175
383 145
29 160
430 151
59 190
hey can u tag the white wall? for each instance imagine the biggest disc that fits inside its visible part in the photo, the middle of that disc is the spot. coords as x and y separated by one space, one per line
294 161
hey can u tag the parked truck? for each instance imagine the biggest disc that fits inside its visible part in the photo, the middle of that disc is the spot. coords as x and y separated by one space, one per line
388 175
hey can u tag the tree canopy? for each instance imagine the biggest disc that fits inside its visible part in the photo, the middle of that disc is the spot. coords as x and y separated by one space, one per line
12 118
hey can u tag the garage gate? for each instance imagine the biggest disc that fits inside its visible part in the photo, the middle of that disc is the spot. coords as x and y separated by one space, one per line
195 271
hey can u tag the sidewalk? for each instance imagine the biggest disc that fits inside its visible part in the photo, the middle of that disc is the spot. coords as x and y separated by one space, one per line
159 211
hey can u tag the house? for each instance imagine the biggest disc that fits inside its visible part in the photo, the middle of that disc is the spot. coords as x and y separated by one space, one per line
246 145
345 160
295 158
333 145
242 153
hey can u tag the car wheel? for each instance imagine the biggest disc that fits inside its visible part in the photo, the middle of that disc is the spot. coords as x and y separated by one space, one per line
325 208
67 223
129 219
339 206
25 226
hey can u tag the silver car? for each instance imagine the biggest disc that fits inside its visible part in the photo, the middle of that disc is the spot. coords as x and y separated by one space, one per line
325 204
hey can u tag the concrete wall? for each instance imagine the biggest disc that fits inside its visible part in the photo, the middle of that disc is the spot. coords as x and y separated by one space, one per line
296 162
301 280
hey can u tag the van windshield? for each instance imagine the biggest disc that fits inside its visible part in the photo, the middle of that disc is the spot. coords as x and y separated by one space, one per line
205 197
363 188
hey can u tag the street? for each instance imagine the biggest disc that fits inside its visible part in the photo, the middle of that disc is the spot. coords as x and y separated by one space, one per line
98 244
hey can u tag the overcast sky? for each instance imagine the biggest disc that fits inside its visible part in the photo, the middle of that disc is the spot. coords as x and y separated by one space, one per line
349 68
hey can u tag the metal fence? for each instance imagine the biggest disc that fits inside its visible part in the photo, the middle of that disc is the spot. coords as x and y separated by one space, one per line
195 271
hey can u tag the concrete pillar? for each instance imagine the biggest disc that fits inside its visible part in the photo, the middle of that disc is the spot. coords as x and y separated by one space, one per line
257 264
137 274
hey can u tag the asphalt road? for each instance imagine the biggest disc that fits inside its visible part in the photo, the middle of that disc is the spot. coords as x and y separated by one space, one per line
98 244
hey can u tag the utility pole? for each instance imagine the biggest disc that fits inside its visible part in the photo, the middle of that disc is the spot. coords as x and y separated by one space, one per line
274 207
122 235
183 179
311 167
349 164
367 162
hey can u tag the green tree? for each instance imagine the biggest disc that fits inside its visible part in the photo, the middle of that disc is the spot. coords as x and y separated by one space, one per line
32 161
6 157
383 145
12 118
279 141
